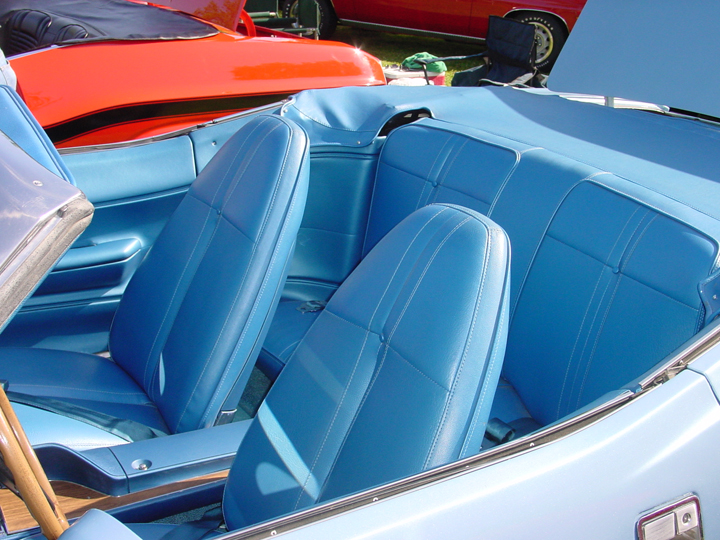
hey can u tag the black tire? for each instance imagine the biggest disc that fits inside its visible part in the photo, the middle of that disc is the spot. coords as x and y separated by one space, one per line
550 36
328 19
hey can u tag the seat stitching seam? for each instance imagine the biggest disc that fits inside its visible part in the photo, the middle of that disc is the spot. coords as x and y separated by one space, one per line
538 245
247 269
637 241
607 309
590 304
617 239
238 171
422 276
597 339
392 278
247 164
332 422
286 349
430 171
239 154
263 286
330 312
600 303
412 294
147 381
589 336
506 181
420 371
381 363
577 340
247 158
461 192
471 333
454 154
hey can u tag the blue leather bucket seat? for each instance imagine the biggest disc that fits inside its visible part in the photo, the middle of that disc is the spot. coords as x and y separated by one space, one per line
187 331
396 375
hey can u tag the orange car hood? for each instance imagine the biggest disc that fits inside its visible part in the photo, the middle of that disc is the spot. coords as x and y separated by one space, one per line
67 83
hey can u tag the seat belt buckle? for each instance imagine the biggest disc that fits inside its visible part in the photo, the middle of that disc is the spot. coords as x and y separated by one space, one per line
311 306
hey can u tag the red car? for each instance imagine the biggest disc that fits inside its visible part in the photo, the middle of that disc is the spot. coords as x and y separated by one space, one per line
462 20
105 71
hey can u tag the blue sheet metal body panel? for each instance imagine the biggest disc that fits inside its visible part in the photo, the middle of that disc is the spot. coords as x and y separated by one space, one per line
593 484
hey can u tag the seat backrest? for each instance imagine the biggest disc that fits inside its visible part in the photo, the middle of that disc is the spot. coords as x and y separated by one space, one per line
613 288
396 376
195 312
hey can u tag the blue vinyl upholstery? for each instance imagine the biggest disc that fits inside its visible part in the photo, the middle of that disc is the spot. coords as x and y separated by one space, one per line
135 189
614 238
190 323
88 527
605 285
396 376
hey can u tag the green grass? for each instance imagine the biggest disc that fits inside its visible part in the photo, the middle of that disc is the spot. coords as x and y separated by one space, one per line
394 48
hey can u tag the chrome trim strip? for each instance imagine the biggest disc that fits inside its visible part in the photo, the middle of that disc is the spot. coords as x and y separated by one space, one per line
698 345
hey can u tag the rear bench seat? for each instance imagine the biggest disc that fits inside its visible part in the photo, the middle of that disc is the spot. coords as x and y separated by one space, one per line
604 286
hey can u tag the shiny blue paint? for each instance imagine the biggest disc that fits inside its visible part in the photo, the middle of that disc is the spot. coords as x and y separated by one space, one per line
593 484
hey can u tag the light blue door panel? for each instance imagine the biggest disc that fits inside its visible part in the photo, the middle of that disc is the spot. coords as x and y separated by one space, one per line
82 326
134 189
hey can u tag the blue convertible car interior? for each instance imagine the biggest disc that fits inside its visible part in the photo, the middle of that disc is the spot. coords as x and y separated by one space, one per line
361 376
606 264
434 283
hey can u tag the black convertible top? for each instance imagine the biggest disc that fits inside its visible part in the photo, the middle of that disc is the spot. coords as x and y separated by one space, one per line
33 24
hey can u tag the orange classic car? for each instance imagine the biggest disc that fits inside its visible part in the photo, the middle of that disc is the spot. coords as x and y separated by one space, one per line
105 71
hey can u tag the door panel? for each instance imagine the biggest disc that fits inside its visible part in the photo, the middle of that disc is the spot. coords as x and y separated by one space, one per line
135 189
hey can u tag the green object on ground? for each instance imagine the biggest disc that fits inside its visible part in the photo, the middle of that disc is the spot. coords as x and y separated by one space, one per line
410 63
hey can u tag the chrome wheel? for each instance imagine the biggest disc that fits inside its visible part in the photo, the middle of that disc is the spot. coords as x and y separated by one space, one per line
550 36
544 42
